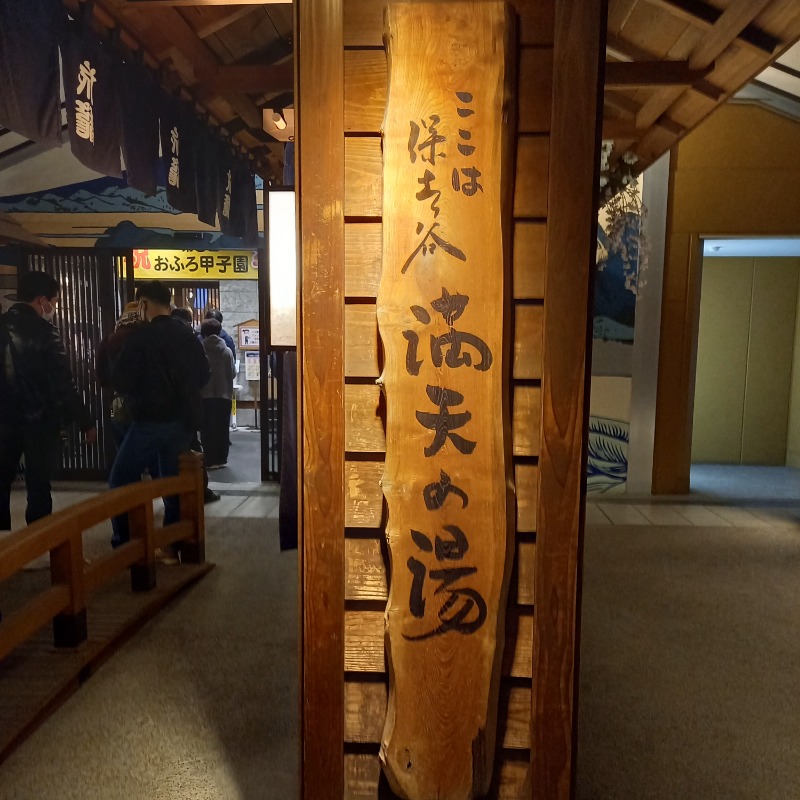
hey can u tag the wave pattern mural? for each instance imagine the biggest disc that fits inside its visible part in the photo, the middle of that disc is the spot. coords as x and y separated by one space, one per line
607 468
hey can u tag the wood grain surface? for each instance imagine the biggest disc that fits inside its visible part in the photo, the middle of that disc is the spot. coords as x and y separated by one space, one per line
320 176
444 316
571 242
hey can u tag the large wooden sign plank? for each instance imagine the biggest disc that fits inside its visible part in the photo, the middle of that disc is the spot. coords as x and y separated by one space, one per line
444 317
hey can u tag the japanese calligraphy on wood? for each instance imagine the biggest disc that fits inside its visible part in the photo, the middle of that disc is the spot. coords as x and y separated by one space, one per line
444 319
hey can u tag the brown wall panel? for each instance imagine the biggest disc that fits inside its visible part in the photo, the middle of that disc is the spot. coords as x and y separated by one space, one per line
527 481
362 258
526 421
529 260
363 425
528 331
363 177
535 89
363 504
530 191
365 82
361 341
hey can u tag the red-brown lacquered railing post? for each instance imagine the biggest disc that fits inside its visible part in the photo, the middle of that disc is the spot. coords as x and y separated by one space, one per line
66 568
143 574
192 507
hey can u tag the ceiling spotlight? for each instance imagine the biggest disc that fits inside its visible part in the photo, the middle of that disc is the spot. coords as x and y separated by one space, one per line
278 120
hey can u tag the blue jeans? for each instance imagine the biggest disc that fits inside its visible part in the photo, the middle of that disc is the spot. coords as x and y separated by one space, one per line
146 444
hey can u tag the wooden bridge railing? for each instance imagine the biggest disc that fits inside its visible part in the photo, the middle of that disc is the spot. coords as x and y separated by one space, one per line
72 580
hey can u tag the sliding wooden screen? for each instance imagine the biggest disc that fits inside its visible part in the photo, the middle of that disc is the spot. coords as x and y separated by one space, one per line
342 78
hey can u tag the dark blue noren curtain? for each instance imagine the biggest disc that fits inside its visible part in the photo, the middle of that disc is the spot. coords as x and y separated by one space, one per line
239 200
138 104
225 176
178 135
92 100
207 165
29 75
288 164
249 204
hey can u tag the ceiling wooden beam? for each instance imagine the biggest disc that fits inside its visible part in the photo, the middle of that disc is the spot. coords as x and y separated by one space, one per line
731 22
145 4
729 26
107 17
705 15
641 74
255 78
203 61
622 102
622 130
623 50
215 26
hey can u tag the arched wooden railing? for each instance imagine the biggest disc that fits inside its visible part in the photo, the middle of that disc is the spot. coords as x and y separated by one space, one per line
72 581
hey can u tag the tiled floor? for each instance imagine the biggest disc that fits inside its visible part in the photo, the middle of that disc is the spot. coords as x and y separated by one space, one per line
599 512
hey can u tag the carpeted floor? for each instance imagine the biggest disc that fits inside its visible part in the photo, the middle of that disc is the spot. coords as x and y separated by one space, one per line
201 704
690 671
690 664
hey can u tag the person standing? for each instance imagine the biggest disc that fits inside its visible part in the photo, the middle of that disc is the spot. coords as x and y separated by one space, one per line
159 373
38 396
217 395
107 353
210 496
224 335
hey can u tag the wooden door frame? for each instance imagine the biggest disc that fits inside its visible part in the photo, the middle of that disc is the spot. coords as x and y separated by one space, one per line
677 365
319 81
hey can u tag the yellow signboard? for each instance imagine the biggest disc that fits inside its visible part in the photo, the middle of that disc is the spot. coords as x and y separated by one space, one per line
195 265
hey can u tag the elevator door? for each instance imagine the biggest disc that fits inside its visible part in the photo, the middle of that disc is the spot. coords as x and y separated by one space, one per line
744 360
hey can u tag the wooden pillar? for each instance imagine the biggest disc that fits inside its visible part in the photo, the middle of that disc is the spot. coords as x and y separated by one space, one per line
680 323
320 182
579 54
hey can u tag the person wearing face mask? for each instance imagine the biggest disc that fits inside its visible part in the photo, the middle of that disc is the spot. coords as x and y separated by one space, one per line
159 373
37 396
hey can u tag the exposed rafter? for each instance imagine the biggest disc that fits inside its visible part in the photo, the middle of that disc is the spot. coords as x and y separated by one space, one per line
260 78
705 15
217 25
105 19
144 4
640 74
622 102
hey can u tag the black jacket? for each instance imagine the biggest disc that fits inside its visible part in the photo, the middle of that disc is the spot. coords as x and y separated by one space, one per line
36 386
160 372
